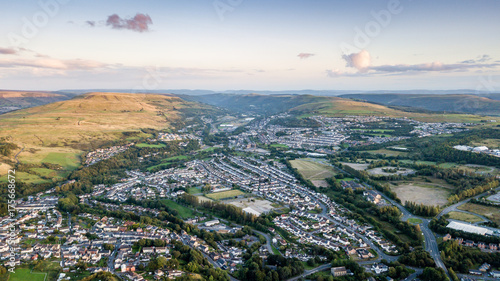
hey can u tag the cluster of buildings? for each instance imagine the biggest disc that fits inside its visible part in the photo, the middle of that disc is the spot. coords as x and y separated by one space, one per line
105 153
165 137
424 129
478 149
491 247
164 183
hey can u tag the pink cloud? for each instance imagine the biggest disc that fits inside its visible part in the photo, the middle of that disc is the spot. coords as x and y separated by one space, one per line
7 51
361 61
51 63
305 55
140 22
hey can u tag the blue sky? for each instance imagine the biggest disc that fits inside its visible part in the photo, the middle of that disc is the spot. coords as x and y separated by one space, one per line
250 44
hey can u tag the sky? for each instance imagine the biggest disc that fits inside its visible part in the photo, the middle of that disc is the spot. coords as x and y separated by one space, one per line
250 44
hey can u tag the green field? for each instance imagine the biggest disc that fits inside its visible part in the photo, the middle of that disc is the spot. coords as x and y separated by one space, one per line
430 163
68 161
175 158
193 190
26 178
44 172
225 194
313 171
464 217
374 130
23 274
414 220
387 152
278 145
184 212
160 145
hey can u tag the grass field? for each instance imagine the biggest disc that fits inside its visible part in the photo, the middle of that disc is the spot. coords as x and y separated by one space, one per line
491 213
23 274
421 192
225 194
387 152
184 212
175 158
194 190
414 220
480 169
430 163
313 171
68 161
278 145
464 217
26 178
160 145
44 172
490 143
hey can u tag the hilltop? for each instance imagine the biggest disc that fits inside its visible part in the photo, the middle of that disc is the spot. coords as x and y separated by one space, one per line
59 132
13 100
472 104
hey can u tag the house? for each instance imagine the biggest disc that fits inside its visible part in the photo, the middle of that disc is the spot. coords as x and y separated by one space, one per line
175 273
159 274
475 272
340 271
493 247
212 223
446 237
364 254
495 274
148 250
484 267
380 268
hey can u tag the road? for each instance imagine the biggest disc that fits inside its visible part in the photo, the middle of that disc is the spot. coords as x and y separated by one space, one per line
17 154
268 243
454 207
111 259
311 271
430 242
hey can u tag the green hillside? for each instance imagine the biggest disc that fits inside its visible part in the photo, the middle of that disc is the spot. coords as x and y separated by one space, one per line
439 103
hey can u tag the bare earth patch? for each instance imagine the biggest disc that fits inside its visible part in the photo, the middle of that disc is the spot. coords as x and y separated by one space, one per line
359 167
320 183
420 194
260 205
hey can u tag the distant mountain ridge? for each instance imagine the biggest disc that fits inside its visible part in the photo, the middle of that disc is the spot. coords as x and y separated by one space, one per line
13 100
489 104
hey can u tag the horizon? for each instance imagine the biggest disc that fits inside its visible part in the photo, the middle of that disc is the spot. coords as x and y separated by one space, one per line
219 45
